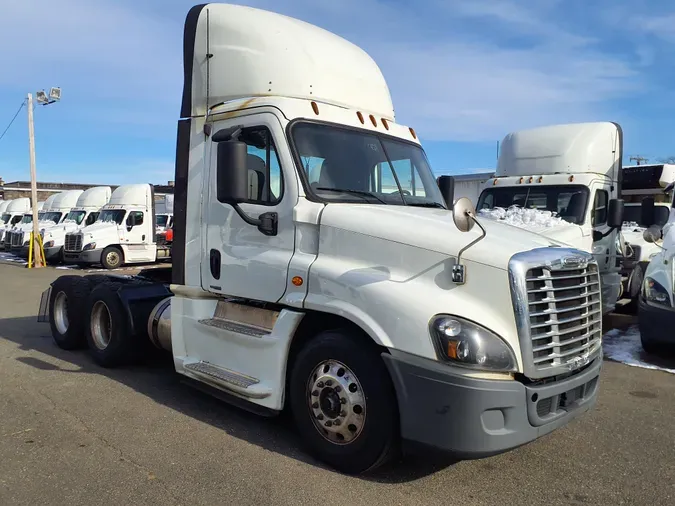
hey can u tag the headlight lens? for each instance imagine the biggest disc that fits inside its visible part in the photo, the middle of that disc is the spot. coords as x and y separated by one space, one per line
467 344
89 246
48 244
655 293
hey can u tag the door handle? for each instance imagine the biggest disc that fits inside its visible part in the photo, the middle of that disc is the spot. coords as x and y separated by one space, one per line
214 263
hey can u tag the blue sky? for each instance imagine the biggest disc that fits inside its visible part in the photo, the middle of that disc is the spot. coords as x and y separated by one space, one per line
463 73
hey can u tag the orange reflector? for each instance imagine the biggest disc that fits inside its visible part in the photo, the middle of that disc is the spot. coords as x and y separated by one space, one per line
541 178
373 120
412 132
360 117
571 178
521 180
530 179
385 123
494 183
297 280
452 349
315 108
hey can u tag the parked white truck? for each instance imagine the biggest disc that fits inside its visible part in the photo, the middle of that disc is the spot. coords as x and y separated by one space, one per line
639 182
373 316
3 207
471 185
164 214
56 211
85 213
575 172
124 232
11 217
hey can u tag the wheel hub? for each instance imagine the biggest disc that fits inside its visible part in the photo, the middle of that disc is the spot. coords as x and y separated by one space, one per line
101 325
337 402
61 313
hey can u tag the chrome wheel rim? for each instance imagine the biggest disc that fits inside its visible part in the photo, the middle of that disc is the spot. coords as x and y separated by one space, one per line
336 402
61 312
112 258
101 325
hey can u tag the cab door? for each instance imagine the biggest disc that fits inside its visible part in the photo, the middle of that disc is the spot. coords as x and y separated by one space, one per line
239 259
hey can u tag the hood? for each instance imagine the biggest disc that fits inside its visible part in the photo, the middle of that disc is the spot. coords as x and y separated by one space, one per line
100 227
61 228
571 235
434 230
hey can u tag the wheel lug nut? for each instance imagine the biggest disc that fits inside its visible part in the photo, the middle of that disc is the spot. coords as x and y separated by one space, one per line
319 417
329 423
337 422
315 393
343 413
338 389
320 384
329 383
343 400
315 405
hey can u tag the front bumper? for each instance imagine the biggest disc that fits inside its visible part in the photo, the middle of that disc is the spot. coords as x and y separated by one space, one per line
92 256
474 418
656 324
53 253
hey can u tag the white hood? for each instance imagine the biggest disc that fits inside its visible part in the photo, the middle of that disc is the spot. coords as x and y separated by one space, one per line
433 230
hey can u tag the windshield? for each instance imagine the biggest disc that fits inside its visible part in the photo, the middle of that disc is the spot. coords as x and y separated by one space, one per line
5 218
112 216
161 220
27 218
632 215
568 201
52 216
350 165
76 216
40 215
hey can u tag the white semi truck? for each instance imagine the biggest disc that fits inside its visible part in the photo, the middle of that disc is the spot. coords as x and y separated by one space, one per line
471 185
575 172
11 217
124 232
54 214
3 207
85 213
373 316
164 214
639 182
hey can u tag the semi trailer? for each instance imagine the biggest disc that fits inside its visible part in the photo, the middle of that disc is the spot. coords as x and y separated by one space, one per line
374 316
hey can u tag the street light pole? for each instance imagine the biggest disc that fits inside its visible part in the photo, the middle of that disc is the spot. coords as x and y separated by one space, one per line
38 261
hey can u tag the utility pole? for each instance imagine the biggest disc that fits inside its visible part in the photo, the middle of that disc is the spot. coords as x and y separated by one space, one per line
639 159
38 261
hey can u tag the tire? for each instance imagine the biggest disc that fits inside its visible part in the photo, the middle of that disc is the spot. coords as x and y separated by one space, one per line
96 279
371 415
637 277
650 347
68 295
107 330
112 258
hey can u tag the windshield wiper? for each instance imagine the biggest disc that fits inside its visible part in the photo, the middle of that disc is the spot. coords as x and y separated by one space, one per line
355 192
426 204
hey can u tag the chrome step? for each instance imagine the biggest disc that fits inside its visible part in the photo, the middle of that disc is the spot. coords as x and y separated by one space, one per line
235 378
239 328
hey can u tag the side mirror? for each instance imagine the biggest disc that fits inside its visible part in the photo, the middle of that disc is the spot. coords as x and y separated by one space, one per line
462 213
648 212
232 172
652 234
131 220
615 213
447 186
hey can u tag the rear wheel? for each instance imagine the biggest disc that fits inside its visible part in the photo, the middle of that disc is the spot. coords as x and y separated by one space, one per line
344 403
112 257
68 295
635 281
107 329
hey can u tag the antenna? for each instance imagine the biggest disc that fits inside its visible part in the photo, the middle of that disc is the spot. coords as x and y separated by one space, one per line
639 159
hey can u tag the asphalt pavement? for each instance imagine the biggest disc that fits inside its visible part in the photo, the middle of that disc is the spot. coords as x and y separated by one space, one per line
73 433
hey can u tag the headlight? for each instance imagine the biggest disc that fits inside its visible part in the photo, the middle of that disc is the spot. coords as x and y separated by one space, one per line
467 344
655 293
89 246
48 244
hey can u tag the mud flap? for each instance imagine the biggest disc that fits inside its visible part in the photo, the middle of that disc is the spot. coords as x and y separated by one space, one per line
43 310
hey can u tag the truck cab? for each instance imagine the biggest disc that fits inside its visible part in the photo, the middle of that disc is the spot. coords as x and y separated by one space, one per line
574 172
124 232
85 212
163 214
317 266
12 216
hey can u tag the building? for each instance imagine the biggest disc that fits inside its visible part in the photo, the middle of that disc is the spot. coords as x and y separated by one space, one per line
17 189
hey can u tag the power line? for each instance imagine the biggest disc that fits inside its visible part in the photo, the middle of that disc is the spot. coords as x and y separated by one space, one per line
10 123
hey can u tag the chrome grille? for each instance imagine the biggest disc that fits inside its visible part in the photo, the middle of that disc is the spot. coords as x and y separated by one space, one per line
17 239
557 299
73 242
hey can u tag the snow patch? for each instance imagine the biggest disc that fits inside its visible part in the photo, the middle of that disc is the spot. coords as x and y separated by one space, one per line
624 346
9 257
524 218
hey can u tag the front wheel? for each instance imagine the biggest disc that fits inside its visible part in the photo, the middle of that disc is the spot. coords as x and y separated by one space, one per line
112 257
344 403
